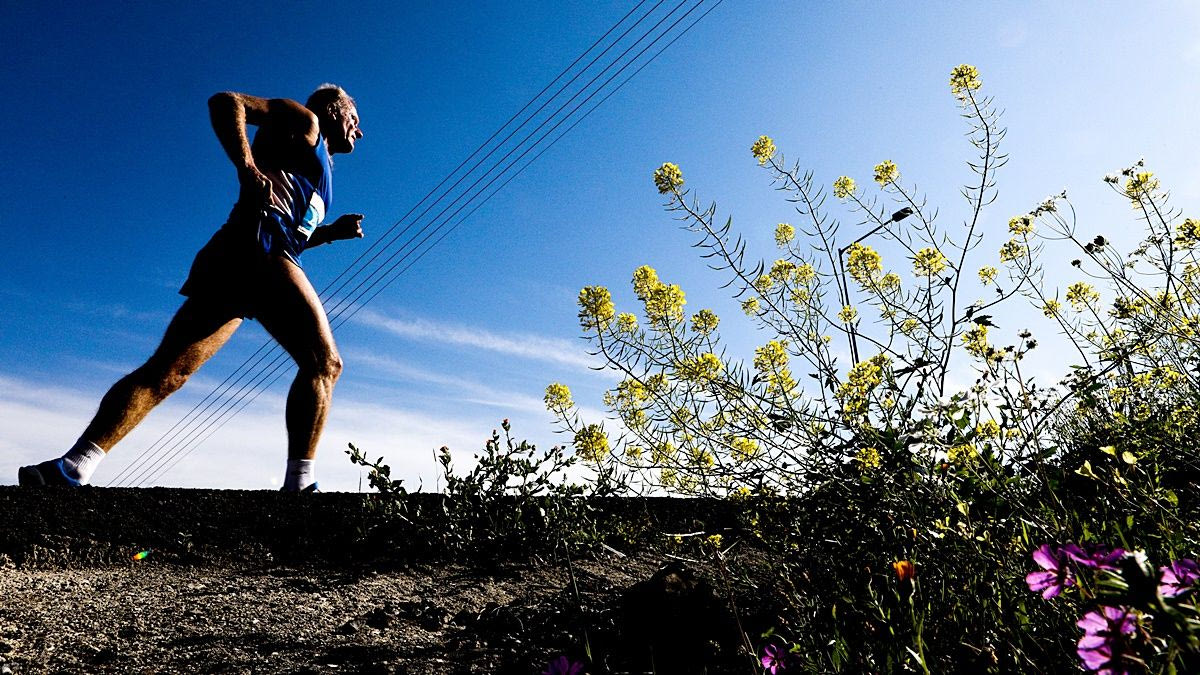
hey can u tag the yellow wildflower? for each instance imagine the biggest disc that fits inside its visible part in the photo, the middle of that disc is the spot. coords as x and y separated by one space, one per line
805 273
558 397
1140 185
987 275
626 322
1021 225
668 178
975 341
750 306
703 368
763 149
889 281
1051 308
784 233
863 263
705 321
663 303
929 262
763 283
988 429
634 452
963 453
848 314
662 452
1011 250
743 449
963 79
867 459
1189 234
596 309
1081 296
843 187
591 443
909 326
781 270
886 172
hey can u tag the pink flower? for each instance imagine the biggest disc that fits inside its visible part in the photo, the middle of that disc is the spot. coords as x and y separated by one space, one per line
1104 643
1178 577
1056 571
563 666
774 659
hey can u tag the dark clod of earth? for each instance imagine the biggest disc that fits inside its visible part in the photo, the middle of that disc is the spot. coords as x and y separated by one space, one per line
263 582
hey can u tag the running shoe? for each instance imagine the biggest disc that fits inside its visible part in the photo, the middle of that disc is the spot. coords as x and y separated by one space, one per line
49 472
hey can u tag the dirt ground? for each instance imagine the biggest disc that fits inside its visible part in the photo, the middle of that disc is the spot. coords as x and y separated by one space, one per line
224 590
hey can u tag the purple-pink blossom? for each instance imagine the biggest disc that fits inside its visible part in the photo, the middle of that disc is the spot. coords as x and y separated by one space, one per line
1178 577
1056 571
563 666
1105 643
1096 556
774 659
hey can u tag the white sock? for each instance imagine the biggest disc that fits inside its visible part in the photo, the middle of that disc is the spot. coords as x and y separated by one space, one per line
82 459
299 474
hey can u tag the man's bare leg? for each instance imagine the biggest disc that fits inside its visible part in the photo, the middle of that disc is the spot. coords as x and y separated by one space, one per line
296 319
196 332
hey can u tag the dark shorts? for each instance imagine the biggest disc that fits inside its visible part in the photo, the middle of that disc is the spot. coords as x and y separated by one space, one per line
229 272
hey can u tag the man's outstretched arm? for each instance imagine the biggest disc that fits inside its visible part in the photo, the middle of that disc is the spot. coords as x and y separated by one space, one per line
230 112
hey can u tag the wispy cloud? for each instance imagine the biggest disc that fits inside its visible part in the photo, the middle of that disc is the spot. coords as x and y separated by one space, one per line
467 391
521 345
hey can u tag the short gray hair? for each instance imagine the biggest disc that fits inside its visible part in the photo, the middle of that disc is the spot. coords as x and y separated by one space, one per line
328 99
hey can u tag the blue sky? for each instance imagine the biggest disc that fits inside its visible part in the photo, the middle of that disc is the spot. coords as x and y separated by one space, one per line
114 180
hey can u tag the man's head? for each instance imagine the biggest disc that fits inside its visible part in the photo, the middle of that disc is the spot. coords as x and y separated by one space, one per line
338 116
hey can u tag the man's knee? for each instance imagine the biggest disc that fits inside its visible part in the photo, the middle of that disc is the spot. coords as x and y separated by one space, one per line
326 367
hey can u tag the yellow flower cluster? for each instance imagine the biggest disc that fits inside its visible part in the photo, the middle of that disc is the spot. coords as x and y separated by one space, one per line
558 397
963 453
743 449
843 187
763 149
909 326
784 233
886 172
668 178
868 459
591 443
1021 225
860 381
662 453
889 281
596 309
703 458
626 322
1081 296
664 303
975 341
781 270
929 262
1011 250
988 429
763 283
963 79
1140 185
805 273
703 368
705 321
864 263
1188 234
750 306
1051 308
771 361
848 314
987 275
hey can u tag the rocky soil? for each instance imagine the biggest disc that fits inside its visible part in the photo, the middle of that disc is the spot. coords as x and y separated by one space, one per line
250 582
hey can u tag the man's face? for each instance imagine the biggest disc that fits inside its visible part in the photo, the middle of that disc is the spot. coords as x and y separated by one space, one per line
343 130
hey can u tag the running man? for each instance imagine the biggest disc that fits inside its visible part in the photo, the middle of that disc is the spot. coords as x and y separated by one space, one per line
249 269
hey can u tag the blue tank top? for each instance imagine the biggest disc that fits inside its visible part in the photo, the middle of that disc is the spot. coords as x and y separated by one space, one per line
298 206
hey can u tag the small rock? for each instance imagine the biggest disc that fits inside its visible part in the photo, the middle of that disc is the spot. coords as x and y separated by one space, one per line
380 618
349 628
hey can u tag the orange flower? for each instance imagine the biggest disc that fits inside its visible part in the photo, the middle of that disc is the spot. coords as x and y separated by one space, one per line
905 570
